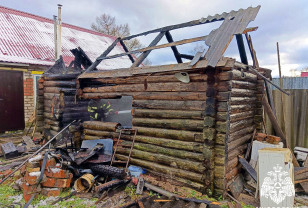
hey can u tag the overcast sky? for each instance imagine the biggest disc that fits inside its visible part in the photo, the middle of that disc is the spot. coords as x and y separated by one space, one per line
282 21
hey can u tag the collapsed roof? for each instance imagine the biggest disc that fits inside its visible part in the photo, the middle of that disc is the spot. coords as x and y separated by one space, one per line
234 23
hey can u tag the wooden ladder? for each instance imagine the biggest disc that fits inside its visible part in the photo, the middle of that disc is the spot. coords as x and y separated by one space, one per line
121 145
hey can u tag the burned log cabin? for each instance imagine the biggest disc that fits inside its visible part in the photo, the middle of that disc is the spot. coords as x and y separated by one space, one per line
193 119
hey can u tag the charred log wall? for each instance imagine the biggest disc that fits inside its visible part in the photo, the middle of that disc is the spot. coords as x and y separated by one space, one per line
236 116
61 106
169 116
191 132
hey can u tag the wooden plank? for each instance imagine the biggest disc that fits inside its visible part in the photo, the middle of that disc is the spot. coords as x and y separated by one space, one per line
128 72
248 168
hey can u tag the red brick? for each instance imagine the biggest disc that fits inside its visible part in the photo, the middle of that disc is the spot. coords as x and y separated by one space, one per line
27 196
51 192
57 173
30 189
31 180
50 163
23 170
57 183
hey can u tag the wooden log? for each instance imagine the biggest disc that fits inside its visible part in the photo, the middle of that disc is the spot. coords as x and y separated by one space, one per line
152 113
238 142
165 169
223 116
219 183
237 75
170 104
181 124
105 95
240 124
219 161
220 150
235 92
240 150
241 132
168 151
232 173
57 83
219 171
194 77
170 96
243 84
61 76
99 125
170 134
165 160
175 144
153 87
224 86
231 164
90 137
220 138
51 122
223 96
70 91
240 100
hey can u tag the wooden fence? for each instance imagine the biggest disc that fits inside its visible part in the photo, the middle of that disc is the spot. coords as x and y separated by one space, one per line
292 115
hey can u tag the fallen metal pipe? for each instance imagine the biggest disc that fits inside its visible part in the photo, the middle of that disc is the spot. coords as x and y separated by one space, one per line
259 74
39 150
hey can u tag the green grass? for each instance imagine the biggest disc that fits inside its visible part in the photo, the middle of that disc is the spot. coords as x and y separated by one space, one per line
6 193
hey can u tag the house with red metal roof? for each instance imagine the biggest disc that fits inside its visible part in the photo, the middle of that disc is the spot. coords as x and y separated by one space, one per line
27 49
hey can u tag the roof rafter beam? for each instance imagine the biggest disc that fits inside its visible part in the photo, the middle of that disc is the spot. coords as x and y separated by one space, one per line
241 48
174 49
181 42
126 50
100 58
185 56
146 53
201 21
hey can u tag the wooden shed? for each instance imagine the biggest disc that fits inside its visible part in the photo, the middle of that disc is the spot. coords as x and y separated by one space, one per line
190 130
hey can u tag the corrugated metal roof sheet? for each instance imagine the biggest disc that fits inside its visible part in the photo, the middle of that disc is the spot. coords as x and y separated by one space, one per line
27 38
235 22
292 83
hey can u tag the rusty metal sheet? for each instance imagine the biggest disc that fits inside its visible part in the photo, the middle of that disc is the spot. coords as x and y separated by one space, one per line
235 23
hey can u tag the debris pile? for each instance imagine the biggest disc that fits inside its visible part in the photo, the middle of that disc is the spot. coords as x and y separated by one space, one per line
44 176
